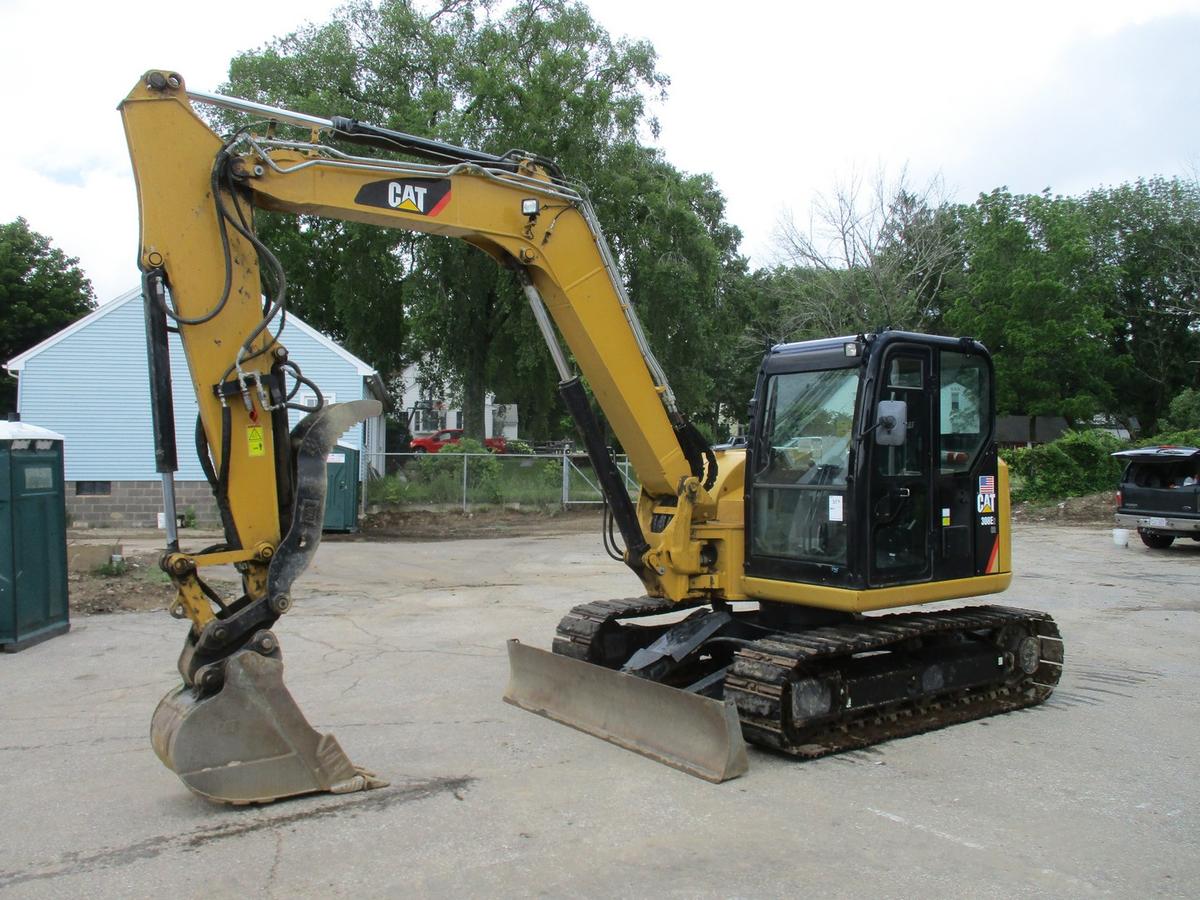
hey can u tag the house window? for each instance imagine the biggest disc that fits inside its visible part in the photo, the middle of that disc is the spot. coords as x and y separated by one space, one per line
93 488
425 418
309 399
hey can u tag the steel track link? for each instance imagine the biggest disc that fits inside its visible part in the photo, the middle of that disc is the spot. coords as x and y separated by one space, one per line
587 632
762 675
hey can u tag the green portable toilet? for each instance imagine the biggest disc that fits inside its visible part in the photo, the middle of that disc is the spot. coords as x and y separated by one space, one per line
341 498
33 536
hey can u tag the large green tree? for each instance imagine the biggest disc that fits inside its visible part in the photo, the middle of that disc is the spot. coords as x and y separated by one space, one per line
1036 293
1147 235
542 76
42 290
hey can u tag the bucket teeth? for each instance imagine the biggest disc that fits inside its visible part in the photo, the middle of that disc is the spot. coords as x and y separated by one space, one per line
249 742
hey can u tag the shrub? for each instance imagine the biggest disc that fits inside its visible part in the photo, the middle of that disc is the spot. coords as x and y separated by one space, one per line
437 477
389 489
1183 414
114 568
1189 438
448 460
1078 463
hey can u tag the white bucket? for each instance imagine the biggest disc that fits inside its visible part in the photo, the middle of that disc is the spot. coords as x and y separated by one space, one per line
1121 537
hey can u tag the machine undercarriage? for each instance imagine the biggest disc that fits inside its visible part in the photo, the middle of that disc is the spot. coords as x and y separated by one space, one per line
809 682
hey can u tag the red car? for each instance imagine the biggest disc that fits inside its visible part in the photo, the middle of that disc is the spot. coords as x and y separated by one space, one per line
432 443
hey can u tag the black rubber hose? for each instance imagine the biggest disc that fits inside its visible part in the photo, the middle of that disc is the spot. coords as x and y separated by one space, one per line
204 455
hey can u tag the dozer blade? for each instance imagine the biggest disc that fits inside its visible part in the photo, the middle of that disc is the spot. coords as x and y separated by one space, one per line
249 742
694 734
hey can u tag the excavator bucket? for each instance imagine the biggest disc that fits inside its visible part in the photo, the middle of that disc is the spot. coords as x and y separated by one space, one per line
687 731
249 742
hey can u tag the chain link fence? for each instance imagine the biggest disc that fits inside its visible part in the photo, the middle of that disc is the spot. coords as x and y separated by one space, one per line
474 480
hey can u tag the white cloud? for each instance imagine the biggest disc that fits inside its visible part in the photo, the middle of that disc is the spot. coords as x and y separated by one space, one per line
62 74
779 100
782 101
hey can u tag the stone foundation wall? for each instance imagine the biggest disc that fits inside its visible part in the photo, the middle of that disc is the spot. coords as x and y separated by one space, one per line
136 504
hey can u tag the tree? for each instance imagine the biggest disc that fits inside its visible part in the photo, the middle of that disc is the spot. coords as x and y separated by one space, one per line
1183 413
545 77
876 256
42 290
680 257
1147 234
1035 293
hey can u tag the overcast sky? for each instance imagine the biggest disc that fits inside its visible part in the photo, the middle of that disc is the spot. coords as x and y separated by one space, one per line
780 101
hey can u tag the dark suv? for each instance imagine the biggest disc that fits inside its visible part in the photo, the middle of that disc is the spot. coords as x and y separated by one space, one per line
1160 494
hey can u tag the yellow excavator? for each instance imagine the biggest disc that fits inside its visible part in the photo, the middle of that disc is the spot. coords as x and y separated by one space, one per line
869 480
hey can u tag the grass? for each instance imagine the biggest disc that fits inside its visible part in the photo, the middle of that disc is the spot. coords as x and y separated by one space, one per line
528 481
114 568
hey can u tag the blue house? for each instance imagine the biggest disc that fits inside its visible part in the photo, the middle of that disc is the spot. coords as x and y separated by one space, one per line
89 383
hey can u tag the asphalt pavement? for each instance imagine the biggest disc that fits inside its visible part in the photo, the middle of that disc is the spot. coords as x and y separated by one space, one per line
398 648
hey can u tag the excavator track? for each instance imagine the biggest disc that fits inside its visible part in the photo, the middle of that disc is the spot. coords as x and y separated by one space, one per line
591 632
768 678
829 689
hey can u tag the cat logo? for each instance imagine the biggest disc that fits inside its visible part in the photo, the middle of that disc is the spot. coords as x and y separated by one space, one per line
421 196
409 197
985 503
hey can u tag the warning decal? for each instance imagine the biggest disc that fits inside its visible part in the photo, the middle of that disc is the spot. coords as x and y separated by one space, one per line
254 437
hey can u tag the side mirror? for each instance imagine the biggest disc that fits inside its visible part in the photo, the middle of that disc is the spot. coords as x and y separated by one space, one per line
891 423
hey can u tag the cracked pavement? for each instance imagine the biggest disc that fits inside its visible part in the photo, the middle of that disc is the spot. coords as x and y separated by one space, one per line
398 649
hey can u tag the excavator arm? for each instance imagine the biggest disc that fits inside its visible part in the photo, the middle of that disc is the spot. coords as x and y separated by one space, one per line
206 273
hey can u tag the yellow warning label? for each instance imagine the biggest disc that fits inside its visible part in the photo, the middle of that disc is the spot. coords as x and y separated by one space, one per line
254 435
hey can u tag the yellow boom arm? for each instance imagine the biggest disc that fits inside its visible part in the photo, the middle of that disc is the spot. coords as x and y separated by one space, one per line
190 184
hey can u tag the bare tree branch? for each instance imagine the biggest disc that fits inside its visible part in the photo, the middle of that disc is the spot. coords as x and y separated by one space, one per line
878 253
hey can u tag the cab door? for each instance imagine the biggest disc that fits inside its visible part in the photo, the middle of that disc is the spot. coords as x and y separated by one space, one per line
965 477
899 511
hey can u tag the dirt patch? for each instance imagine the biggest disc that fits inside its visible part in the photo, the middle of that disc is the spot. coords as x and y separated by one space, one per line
137 584
1092 509
408 524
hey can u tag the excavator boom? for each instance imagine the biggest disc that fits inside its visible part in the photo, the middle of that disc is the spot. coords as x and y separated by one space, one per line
204 269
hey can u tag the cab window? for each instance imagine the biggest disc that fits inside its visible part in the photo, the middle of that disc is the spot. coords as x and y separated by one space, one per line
800 484
964 404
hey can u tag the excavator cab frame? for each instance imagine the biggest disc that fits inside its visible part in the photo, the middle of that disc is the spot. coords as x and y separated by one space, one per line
838 496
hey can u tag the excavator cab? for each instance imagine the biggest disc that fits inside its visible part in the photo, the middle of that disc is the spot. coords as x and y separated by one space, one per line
872 463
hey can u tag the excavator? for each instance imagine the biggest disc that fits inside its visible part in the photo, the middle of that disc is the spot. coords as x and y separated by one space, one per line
869 479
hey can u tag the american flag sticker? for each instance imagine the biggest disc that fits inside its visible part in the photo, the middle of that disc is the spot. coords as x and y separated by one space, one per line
987 484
